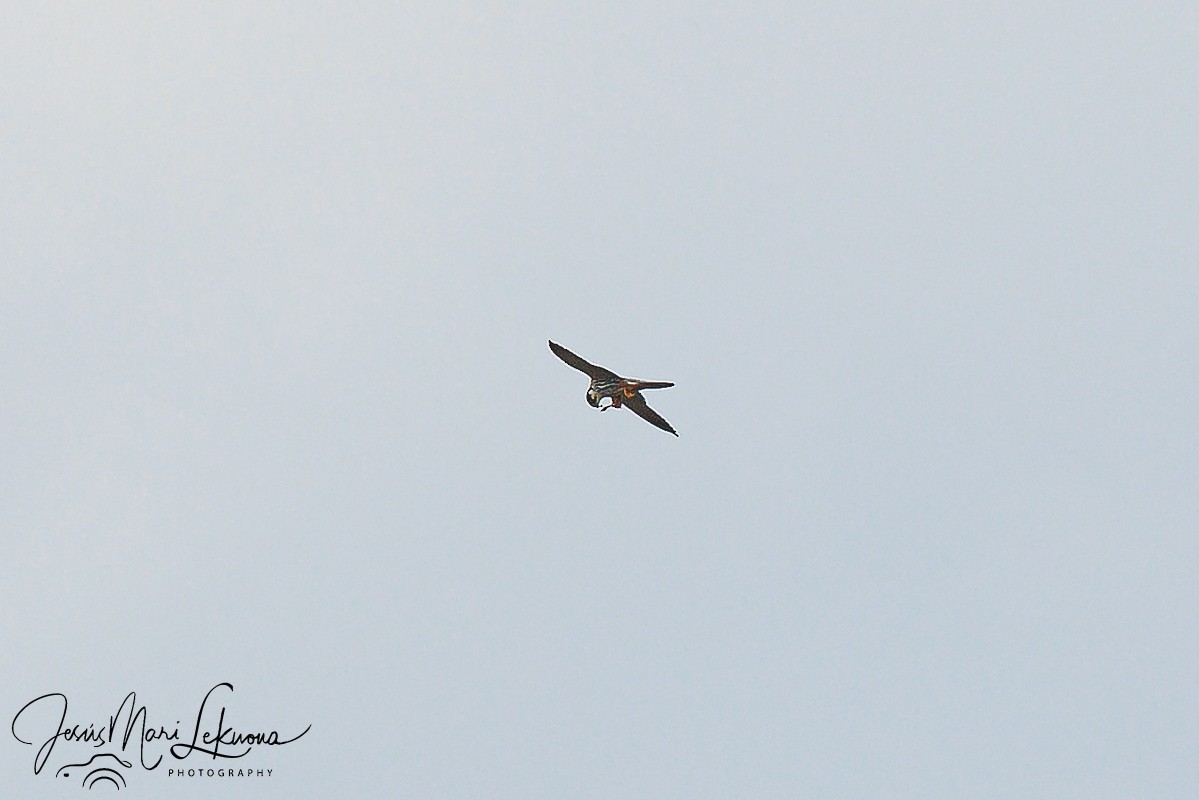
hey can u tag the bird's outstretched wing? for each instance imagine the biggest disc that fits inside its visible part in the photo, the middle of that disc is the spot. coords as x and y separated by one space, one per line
637 405
580 364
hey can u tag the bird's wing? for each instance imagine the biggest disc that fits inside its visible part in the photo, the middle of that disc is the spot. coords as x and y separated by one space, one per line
580 364
637 404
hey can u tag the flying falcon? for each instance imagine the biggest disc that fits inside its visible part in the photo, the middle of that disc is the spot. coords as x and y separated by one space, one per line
619 391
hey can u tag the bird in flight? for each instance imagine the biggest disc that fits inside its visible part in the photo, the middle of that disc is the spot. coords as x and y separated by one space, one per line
619 391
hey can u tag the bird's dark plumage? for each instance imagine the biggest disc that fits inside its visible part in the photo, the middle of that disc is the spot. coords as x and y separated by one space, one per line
619 391
580 364
638 406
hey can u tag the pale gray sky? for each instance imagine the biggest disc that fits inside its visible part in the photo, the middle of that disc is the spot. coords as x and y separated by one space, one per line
277 407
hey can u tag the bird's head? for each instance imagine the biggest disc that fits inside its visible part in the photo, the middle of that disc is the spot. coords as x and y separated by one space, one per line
592 398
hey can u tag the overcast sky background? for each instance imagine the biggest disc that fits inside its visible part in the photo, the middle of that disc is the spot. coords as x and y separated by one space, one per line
277 407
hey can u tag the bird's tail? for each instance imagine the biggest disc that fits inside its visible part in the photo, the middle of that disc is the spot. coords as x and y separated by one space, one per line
653 385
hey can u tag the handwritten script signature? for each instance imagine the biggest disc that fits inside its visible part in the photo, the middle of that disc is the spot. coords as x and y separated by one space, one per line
207 738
